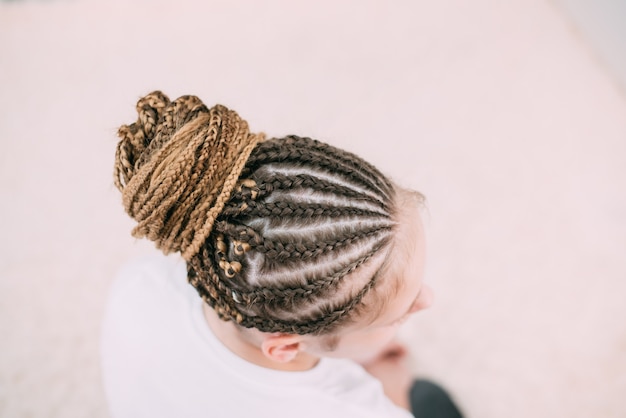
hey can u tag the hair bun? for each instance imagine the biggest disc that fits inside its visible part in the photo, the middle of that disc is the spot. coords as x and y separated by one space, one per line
176 167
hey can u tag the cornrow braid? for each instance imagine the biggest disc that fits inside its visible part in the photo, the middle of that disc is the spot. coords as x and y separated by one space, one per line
285 249
327 318
280 296
340 168
359 165
275 232
278 181
286 209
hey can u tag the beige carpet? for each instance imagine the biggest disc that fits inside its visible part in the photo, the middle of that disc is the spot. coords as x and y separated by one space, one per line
497 111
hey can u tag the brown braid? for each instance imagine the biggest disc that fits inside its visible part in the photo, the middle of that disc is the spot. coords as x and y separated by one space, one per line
273 231
176 178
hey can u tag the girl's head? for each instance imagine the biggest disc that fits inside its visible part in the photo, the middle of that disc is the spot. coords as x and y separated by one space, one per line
288 236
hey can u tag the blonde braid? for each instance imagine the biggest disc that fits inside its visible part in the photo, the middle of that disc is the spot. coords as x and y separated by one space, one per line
177 166
221 200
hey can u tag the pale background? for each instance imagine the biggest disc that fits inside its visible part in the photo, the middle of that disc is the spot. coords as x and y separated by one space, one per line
498 111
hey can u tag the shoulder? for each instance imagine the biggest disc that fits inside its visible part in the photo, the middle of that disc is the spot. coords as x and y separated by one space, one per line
348 388
155 267
148 288
150 274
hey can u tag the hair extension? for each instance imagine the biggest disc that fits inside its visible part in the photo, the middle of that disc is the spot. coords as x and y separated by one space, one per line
272 230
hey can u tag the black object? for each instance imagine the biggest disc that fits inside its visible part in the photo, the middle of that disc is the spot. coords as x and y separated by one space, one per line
429 400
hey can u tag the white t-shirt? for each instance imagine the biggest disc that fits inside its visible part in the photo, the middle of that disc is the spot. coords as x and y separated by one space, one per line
161 359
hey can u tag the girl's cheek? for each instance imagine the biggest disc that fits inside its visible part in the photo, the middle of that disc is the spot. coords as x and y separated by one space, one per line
403 320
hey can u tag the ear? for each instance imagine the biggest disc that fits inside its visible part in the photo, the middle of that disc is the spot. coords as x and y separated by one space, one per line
282 348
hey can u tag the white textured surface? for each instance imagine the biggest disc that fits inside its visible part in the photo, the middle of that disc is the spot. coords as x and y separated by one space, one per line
493 109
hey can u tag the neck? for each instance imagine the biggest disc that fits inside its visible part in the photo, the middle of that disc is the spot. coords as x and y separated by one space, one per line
249 349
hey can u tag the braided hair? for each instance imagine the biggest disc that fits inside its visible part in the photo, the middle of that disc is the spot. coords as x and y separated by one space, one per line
271 230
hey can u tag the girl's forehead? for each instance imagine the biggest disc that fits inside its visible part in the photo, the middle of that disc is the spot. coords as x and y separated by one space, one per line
411 270
402 280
